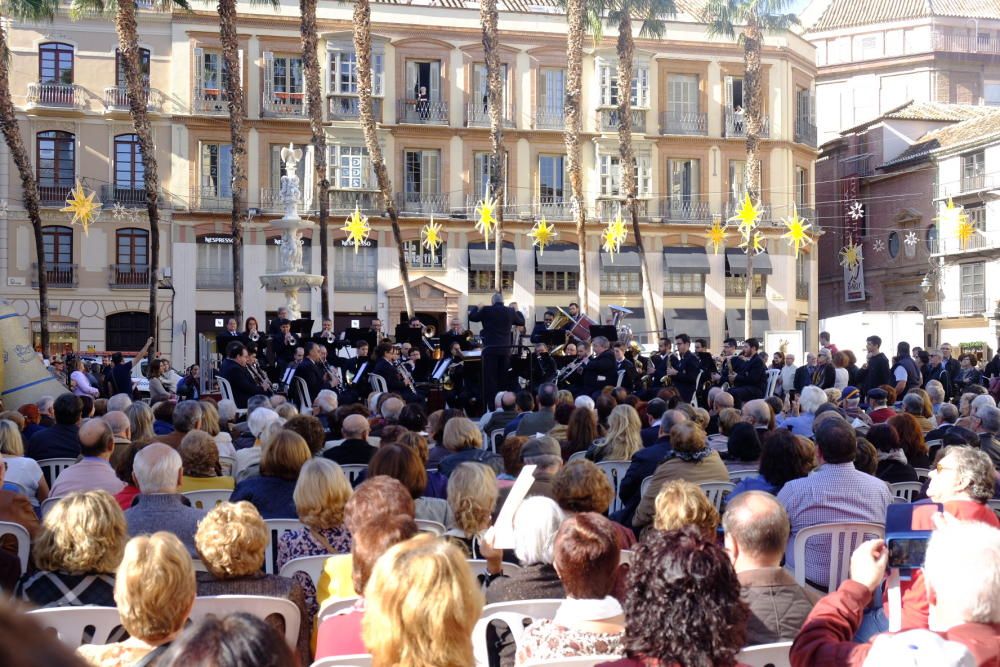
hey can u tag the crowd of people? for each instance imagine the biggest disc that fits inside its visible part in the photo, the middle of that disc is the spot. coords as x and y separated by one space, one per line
648 570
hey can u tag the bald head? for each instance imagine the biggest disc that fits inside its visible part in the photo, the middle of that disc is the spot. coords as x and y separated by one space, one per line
118 421
757 530
757 412
723 400
391 408
355 427
96 438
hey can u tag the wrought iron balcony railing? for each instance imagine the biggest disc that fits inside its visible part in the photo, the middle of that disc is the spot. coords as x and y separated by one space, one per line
128 276
683 122
422 112
54 95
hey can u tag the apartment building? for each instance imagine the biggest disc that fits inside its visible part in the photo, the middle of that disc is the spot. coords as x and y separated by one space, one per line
429 85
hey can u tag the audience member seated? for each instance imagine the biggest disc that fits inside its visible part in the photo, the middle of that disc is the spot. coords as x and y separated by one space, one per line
437 484
186 418
154 593
623 438
418 590
680 504
121 431
684 603
563 411
236 640
15 508
986 424
472 495
21 470
76 553
311 431
271 492
918 404
590 621
836 492
231 542
582 487
264 424
892 466
355 448
32 420
200 459
542 419
157 472
60 441
690 460
544 453
403 463
140 421
911 439
163 417
93 472
581 431
879 405
743 448
727 419
536 523
464 440
644 463
504 415
436 423
811 399
756 527
784 456
210 424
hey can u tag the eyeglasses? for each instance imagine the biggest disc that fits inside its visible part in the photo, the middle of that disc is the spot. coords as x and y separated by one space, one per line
940 468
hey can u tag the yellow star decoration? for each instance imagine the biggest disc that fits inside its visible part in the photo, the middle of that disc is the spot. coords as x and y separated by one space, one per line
797 234
851 255
486 218
955 217
717 234
430 237
357 228
747 217
542 234
83 207
614 235
754 244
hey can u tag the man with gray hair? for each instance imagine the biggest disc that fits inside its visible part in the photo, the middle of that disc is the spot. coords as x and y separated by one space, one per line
46 411
913 405
758 413
92 472
544 418
504 414
157 472
717 403
121 431
545 453
985 421
756 527
119 403
187 417
602 370
644 463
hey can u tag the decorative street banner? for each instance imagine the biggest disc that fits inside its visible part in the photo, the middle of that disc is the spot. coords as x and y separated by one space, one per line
854 282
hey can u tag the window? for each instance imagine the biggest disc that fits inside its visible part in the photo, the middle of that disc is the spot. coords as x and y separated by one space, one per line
283 84
552 90
802 276
684 283
216 170
211 73
482 174
215 263
120 68
418 257
556 281
55 165
734 93
737 285
426 75
355 271
620 283
609 85
480 88
991 93
977 216
273 261
352 168
57 245
483 281
611 175
551 179
682 94
973 279
893 244
55 63
684 176
973 171
130 174
344 70
422 174
132 247
737 180
801 187
126 331
803 105
931 237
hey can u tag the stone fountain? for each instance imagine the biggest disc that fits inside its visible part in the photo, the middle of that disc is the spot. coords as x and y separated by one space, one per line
290 278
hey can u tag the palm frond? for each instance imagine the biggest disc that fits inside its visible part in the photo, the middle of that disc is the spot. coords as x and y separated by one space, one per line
778 22
721 18
81 9
652 15
34 11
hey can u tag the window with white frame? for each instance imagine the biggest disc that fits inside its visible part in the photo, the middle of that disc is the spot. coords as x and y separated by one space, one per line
422 173
621 283
609 85
737 179
283 82
973 279
552 90
556 281
216 170
683 283
351 168
481 85
482 173
610 174
344 69
684 176
355 271
551 179
682 94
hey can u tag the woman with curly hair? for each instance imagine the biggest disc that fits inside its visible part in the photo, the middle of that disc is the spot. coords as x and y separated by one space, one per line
581 487
623 438
200 457
683 605
472 495
912 439
784 456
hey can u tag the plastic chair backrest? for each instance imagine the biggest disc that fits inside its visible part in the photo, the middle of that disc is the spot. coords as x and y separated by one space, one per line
227 463
717 492
578 455
52 467
261 606
739 475
206 499
311 565
496 440
378 383
905 492
353 471
20 533
576 661
615 472
479 565
515 615
359 660
275 527
766 655
697 386
923 474
225 388
334 606
428 526
772 381
646 481
305 400
844 538
72 623
48 504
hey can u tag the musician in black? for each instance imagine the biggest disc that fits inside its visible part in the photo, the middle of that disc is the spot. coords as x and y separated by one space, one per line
230 335
601 371
543 366
705 358
541 327
312 370
747 381
256 371
456 334
234 369
415 364
283 345
327 338
275 326
252 337
626 366
730 362
573 379
684 371
385 366
358 368
661 361
574 313
498 321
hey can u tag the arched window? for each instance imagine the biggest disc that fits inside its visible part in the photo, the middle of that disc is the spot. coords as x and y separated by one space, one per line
129 171
126 332
55 63
132 246
55 165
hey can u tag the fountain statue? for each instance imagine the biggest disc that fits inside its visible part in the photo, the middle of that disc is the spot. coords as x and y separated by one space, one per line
289 278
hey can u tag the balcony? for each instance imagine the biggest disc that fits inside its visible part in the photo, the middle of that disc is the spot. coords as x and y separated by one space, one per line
210 199
348 108
210 101
979 242
213 279
53 195
478 115
608 208
510 209
554 208
550 118
343 202
608 120
805 132
56 95
421 112
736 125
284 105
128 276
969 44
968 304
857 165
969 184
691 123
416 203
737 286
56 275
127 197
270 200
693 208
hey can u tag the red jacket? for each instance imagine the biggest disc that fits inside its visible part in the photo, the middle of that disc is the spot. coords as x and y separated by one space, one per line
826 640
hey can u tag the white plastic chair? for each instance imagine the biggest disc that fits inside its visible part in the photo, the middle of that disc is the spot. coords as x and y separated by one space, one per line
305 400
359 660
923 474
226 390
16 488
353 471
275 527
260 606
432 527
627 555
717 492
736 476
20 533
766 655
772 381
697 386
578 661
378 383
843 538
70 623
227 463
644 486
615 472
515 615
334 606
479 565
48 504
311 565
52 467
206 499
199 565
905 492
496 440
575 456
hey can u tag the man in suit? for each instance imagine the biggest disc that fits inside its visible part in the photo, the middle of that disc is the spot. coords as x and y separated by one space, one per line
747 383
543 366
311 369
949 362
600 371
385 366
541 327
355 448
875 372
275 326
684 373
234 369
324 337
803 374
283 345
730 362
624 365
230 335
936 370
498 320
61 440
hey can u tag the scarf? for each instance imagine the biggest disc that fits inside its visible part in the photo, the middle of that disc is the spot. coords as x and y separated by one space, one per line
894 455
693 457
573 611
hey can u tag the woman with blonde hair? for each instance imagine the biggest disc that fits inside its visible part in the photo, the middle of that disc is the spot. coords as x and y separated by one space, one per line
623 438
463 438
272 492
200 457
210 424
78 549
140 419
21 470
422 604
680 504
80 382
154 593
472 495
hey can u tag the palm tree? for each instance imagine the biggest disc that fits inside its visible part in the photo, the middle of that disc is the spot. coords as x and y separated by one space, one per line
756 17
138 93
363 50
576 17
311 70
33 11
489 17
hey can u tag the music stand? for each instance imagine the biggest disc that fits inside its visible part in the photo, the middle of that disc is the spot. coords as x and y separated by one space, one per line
407 334
609 332
553 337
302 328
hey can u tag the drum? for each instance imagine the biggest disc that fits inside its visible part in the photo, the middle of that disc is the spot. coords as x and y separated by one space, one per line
581 328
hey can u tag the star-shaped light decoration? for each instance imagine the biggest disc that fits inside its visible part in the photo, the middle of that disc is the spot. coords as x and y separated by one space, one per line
911 239
955 217
486 218
83 207
610 242
430 238
798 231
542 234
614 235
878 245
754 244
747 217
717 234
851 255
856 211
357 228
119 212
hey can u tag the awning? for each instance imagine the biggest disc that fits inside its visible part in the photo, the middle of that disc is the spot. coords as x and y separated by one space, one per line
737 262
481 259
692 321
625 261
760 324
558 257
685 260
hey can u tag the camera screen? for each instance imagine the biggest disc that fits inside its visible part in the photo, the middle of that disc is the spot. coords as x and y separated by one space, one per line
907 552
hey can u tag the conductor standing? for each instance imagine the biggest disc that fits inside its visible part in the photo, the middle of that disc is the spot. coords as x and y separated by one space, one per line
497 320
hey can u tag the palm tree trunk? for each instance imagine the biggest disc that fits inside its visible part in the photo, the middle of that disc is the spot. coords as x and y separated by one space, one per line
29 189
314 100
494 92
752 110
363 49
576 17
625 48
128 45
233 83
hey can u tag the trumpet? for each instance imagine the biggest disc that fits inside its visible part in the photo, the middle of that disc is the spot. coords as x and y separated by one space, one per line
449 382
290 339
329 337
569 369
254 336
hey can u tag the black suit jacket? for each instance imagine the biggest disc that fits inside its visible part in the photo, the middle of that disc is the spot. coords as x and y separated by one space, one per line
828 379
752 373
877 373
600 372
629 380
543 369
283 354
687 373
393 380
351 451
243 385
223 340
497 321
803 378
312 373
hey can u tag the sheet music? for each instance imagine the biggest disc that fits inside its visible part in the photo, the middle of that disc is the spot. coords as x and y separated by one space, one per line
286 379
441 369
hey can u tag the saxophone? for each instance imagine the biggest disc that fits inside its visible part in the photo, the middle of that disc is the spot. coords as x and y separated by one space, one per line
405 372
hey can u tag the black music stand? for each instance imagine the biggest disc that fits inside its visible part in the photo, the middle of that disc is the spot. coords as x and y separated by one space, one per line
407 334
553 338
609 332
302 328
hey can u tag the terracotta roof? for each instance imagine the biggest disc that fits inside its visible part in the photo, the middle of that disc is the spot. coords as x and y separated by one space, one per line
847 13
929 111
981 127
